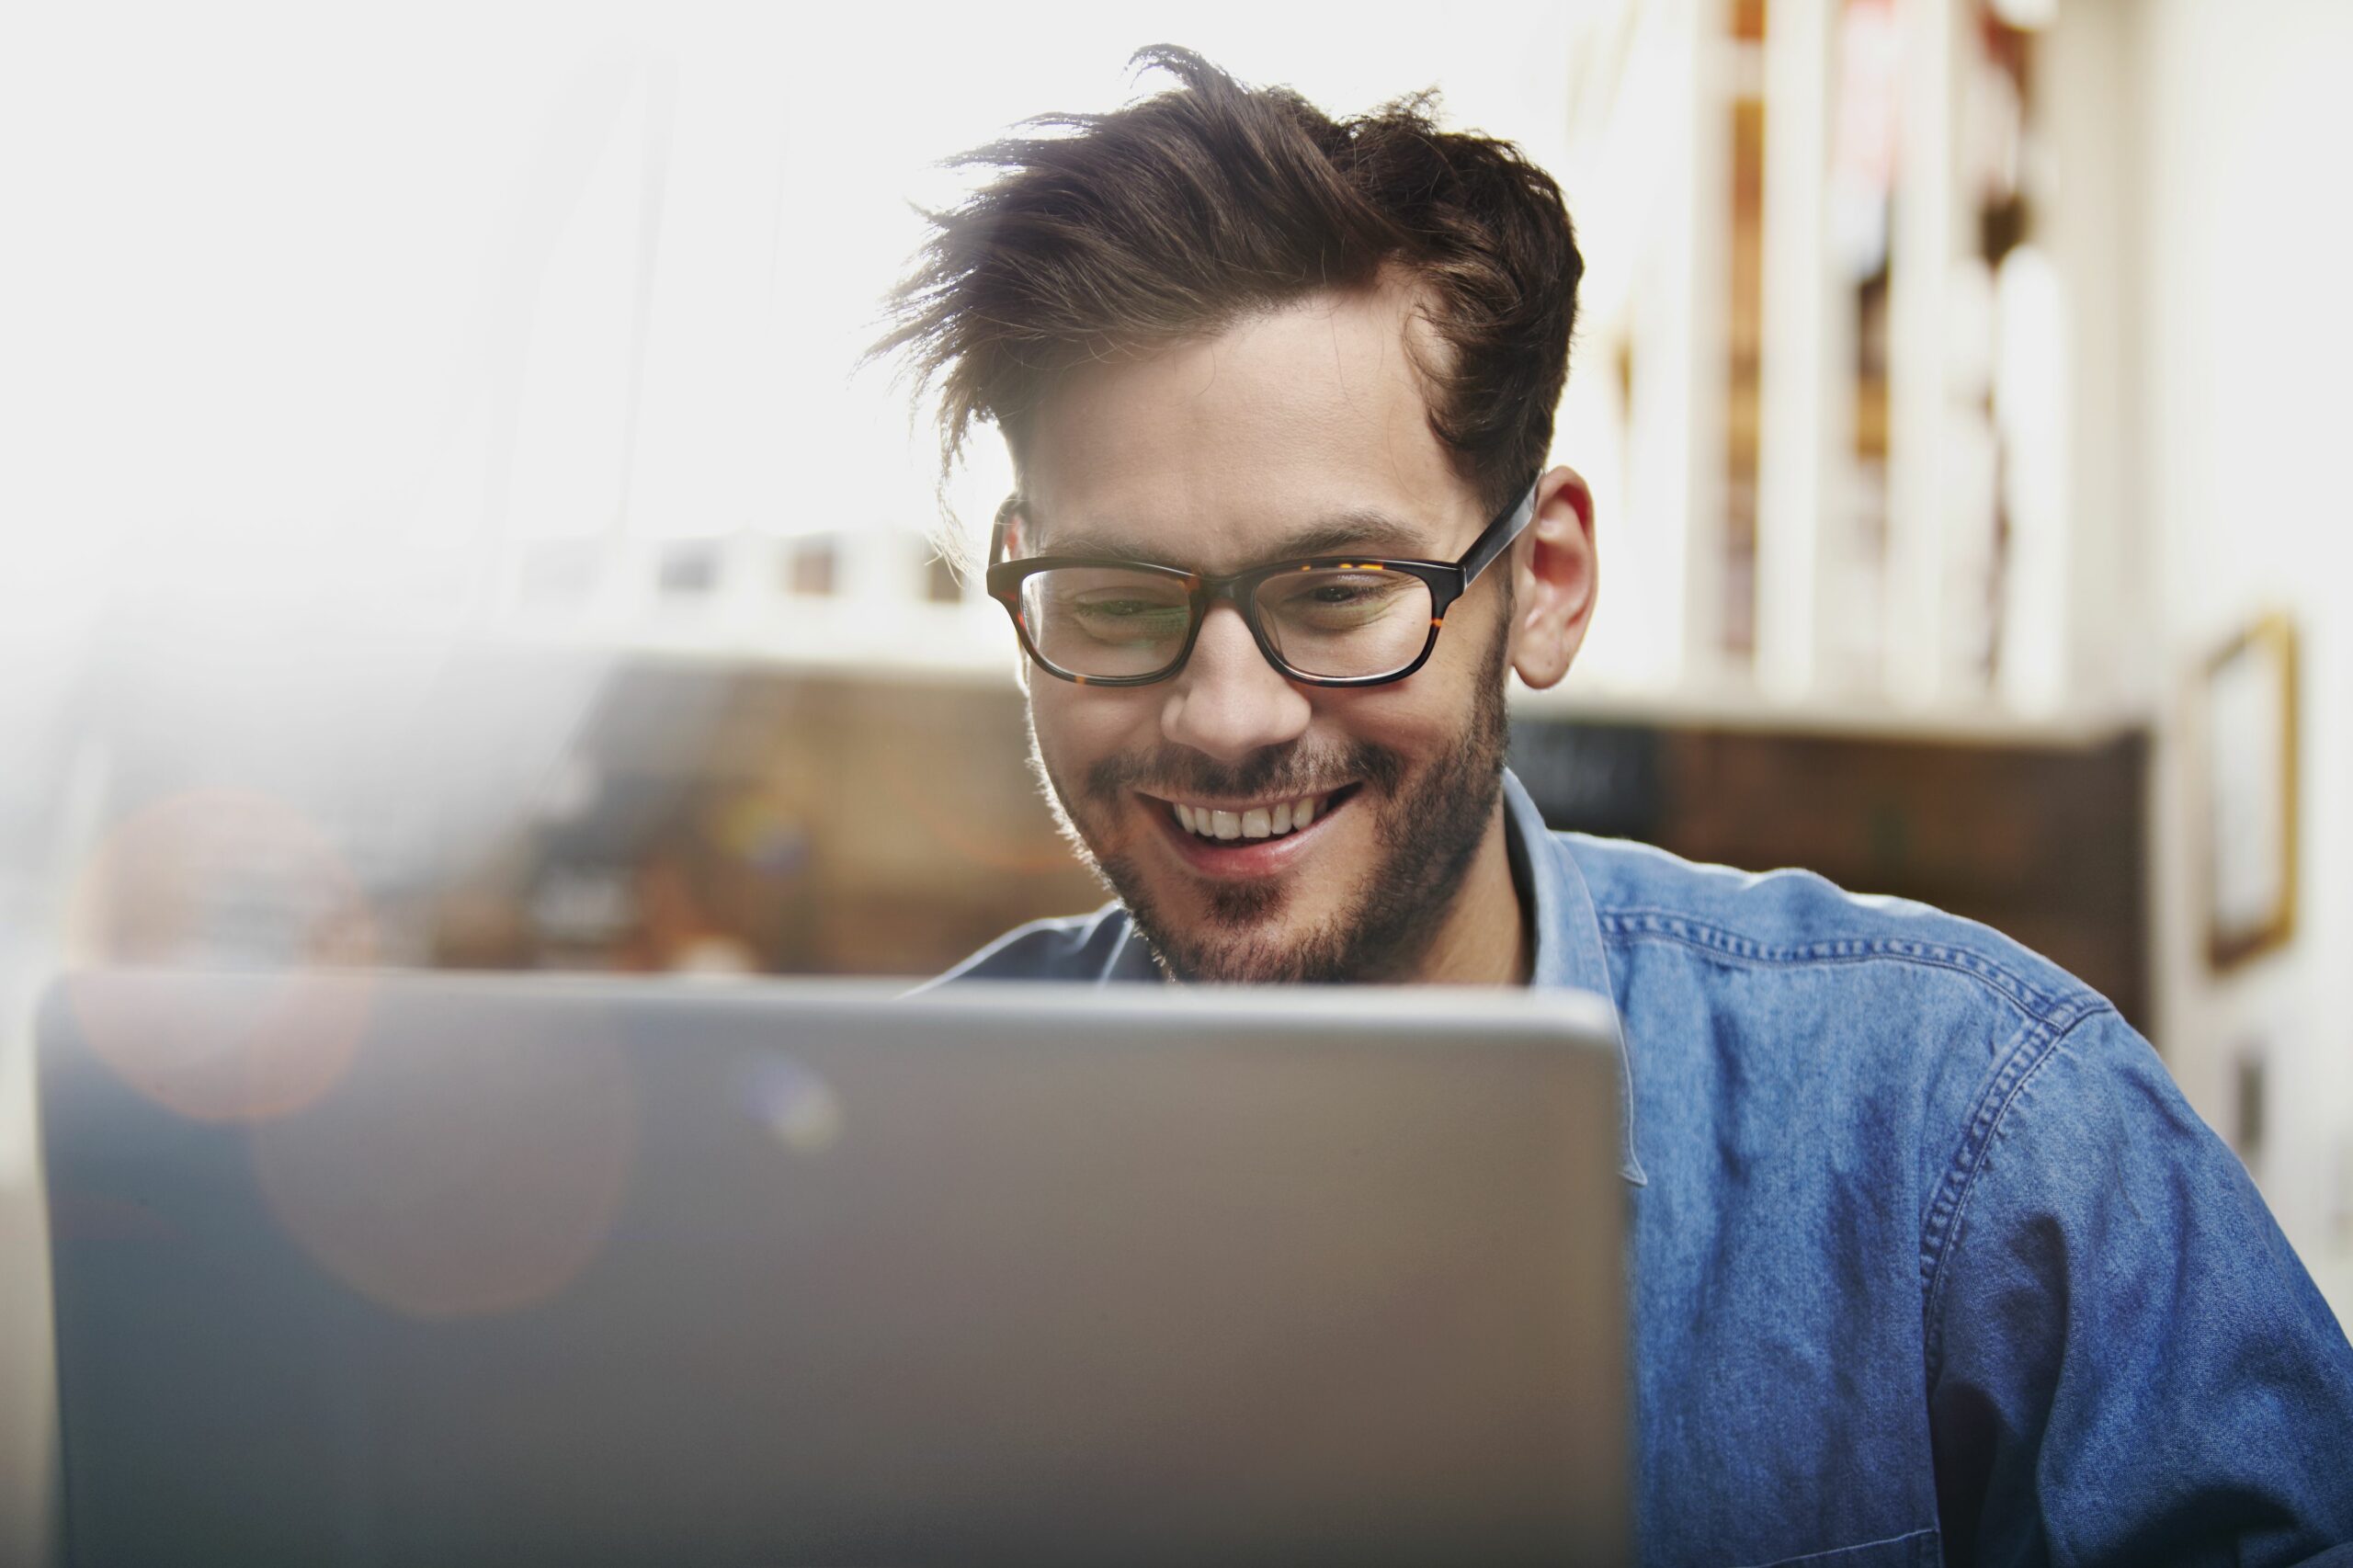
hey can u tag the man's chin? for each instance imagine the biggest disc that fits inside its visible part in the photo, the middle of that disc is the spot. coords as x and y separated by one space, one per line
1252 934
1268 957
1278 930
1236 934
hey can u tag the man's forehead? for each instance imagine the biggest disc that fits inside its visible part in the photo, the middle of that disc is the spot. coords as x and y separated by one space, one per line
1294 429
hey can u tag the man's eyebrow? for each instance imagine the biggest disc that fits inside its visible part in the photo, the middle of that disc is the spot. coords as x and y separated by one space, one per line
1111 549
1359 532
1364 531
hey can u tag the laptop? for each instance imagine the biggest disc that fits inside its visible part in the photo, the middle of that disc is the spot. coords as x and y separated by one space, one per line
393 1269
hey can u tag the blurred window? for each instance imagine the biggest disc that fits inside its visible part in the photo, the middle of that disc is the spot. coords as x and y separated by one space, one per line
812 567
689 570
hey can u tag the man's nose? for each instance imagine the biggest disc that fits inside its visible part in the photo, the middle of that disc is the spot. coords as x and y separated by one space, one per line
1228 701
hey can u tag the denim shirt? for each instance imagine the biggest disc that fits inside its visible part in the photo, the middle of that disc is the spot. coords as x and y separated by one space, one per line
1929 1260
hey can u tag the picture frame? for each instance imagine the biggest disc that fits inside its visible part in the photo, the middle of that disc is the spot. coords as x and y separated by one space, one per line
2247 707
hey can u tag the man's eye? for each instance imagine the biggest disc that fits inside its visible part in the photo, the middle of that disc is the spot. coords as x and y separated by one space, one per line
1129 619
1327 600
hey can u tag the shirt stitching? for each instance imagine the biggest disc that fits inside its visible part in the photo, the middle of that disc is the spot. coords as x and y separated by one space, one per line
2034 1049
2048 1020
2013 1061
2057 1012
1859 1546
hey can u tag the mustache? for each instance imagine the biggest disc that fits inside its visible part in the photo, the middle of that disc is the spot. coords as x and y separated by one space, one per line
1171 772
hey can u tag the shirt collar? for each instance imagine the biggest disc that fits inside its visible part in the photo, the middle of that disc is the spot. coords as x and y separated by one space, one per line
1568 936
1132 959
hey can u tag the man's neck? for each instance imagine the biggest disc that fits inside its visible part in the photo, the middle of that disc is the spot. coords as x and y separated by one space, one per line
1482 939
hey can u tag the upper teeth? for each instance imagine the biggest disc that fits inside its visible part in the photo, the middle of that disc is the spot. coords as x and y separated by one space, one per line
1258 822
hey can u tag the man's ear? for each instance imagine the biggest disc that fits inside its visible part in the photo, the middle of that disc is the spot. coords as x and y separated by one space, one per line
1553 569
1015 528
1012 543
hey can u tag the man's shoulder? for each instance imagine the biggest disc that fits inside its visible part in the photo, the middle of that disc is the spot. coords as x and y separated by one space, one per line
1969 1158
1078 946
1808 928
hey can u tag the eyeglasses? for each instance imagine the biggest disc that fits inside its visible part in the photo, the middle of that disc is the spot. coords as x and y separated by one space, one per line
1327 620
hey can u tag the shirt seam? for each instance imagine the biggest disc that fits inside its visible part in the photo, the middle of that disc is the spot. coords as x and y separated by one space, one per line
1859 1546
2057 1012
2022 1061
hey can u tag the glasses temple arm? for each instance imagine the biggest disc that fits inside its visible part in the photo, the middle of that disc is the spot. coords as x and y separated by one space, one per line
1498 537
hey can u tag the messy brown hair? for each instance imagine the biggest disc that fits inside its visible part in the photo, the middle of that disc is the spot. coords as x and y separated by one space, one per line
1108 235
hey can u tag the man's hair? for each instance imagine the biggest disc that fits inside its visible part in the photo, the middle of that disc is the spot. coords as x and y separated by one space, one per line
1110 236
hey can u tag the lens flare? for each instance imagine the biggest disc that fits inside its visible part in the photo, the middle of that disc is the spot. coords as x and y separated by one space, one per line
223 878
470 1172
794 1104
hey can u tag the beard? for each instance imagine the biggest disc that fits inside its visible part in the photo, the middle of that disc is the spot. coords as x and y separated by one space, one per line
1429 825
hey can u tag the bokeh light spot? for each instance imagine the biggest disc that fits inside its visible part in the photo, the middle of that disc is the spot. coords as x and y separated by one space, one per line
795 1105
475 1172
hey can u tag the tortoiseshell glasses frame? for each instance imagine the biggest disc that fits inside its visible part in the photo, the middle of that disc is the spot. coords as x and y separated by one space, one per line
1446 580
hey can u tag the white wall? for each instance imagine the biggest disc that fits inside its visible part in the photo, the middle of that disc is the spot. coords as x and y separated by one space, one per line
2239 282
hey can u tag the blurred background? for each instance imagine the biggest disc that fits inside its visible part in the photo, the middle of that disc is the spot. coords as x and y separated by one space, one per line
442 522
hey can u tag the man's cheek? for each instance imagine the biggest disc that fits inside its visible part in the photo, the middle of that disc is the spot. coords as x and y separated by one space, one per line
1067 765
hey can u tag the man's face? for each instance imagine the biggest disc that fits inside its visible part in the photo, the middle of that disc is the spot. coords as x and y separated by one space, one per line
1220 455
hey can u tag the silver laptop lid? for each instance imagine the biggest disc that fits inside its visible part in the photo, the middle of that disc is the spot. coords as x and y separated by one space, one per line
382 1269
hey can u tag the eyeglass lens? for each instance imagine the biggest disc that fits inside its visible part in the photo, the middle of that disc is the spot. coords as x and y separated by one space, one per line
1343 623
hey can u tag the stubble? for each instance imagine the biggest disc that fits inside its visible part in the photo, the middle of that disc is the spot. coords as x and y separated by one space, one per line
1429 827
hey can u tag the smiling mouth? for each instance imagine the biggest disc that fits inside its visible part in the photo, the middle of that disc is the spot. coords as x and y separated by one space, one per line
1210 825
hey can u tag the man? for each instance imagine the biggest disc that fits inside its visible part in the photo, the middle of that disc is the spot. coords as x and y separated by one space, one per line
1930 1260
